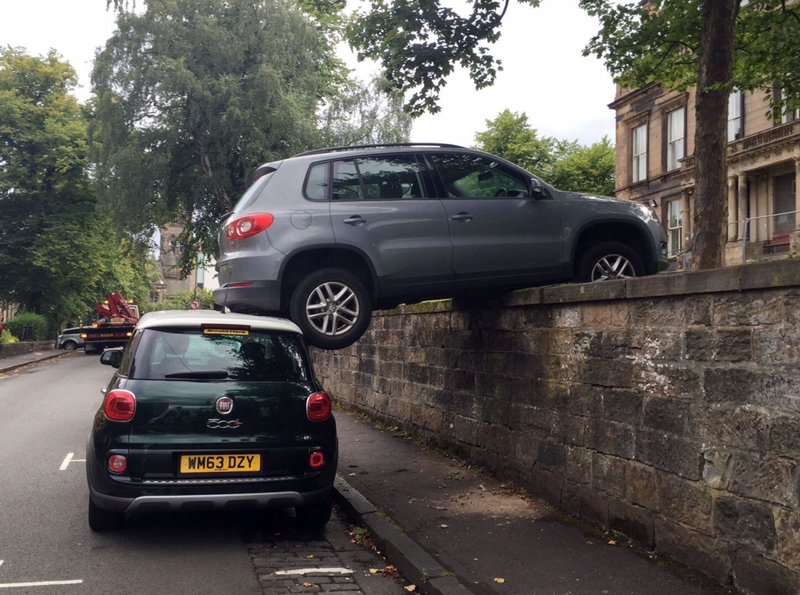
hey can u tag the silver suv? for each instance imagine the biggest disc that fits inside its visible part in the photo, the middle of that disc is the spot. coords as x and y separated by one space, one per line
327 236
70 338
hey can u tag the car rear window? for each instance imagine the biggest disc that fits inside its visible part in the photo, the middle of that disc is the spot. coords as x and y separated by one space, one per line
197 354
253 192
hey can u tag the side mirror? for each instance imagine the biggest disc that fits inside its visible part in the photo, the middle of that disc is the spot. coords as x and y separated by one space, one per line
111 357
538 189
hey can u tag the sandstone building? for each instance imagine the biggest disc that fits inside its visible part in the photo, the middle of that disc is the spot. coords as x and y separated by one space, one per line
655 165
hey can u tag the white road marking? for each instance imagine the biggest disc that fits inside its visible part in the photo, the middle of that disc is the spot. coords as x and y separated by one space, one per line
68 459
302 571
39 584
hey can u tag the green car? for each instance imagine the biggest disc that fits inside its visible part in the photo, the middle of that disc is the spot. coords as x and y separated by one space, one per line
209 410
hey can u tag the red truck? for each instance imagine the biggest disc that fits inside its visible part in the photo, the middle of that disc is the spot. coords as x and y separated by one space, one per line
114 326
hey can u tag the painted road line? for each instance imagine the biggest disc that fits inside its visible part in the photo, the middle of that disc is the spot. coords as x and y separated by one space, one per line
68 459
39 584
304 571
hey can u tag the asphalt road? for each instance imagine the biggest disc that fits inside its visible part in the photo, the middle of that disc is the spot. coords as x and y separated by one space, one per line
46 412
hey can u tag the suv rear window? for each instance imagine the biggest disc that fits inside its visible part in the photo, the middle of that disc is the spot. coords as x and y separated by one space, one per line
253 356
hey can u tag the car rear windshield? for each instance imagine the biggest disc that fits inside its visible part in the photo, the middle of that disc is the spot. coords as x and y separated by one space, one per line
217 354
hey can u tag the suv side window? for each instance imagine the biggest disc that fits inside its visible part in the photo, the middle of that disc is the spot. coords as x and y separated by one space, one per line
378 178
475 176
316 187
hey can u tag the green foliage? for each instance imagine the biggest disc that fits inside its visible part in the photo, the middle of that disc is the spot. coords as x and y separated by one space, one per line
510 136
419 43
57 253
193 95
37 322
364 114
7 337
565 164
662 44
585 169
180 301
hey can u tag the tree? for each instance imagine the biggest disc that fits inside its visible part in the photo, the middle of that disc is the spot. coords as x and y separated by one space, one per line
193 95
55 248
565 164
585 169
419 42
715 46
364 114
510 136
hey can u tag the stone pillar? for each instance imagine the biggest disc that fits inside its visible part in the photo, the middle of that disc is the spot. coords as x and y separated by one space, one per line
797 192
733 210
742 199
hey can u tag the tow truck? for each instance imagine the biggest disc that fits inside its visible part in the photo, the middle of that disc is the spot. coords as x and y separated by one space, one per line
114 326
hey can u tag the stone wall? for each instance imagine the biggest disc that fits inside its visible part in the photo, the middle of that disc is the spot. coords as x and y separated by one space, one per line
667 408
22 347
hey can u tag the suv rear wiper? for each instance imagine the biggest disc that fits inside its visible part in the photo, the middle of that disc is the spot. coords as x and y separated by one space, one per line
217 375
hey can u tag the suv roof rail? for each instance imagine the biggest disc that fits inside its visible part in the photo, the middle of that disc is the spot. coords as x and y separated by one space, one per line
377 146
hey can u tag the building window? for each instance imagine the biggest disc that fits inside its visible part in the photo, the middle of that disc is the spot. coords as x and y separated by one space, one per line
676 138
735 129
675 226
639 163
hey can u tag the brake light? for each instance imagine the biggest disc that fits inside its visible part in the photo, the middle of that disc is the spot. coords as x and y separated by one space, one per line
316 460
119 405
249 225
117 463
318 407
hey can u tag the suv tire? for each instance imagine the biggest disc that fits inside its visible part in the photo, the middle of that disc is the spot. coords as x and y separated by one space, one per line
332 308
607 261
104 520
70 345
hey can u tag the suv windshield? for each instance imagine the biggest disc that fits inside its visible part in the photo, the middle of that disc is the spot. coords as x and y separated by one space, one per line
211 354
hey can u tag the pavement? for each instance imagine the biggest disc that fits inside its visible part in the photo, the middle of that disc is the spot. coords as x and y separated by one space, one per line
9 364
451 530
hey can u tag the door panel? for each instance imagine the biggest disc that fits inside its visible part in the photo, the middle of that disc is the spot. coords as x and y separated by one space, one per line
380 206
500 234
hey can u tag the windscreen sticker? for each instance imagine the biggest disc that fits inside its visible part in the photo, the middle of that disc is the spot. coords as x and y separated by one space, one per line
225 331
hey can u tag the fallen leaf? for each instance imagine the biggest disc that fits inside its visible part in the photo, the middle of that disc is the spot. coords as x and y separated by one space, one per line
310 557
612 542
411 588
352 475
390 568
373 571
443 526
500 580
309 584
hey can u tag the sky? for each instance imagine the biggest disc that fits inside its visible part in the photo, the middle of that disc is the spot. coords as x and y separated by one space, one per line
544 74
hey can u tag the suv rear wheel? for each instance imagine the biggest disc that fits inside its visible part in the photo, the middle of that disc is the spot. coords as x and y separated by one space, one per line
70 345
332 308
607 261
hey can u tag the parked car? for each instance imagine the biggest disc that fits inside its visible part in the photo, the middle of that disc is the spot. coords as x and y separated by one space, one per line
211 411
70 338
327 236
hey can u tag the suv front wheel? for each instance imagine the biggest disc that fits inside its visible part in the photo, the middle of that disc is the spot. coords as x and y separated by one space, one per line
607 261
332 308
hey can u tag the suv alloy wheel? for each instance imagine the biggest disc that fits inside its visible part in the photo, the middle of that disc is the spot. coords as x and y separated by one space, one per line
332 307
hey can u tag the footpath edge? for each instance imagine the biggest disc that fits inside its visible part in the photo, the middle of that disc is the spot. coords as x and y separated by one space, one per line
411 560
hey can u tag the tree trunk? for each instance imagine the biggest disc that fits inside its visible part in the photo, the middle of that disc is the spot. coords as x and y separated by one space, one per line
711 135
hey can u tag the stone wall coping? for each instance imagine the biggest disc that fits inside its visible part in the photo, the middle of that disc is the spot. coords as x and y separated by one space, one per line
765 275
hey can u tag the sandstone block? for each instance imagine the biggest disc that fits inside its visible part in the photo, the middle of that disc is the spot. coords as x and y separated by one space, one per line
632 520
643 485
686 502
669 453
611 438
753 573
608 474
710 556
745 522
669 415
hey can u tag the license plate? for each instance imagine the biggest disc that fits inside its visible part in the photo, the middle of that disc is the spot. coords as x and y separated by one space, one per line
220 463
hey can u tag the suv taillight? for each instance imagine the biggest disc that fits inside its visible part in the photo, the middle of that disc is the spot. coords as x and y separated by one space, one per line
249 225
119 405
318 407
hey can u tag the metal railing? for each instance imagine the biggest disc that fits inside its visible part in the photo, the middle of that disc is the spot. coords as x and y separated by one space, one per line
747 228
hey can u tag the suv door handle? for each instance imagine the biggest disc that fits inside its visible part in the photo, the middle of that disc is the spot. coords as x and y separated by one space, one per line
462 216
355 220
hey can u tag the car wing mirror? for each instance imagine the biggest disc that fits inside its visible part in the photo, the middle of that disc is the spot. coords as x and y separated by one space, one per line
537 189
111 357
